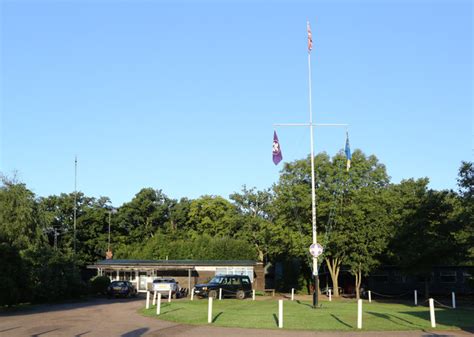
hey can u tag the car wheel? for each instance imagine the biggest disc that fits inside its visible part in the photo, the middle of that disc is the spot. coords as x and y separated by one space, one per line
212 294
240 295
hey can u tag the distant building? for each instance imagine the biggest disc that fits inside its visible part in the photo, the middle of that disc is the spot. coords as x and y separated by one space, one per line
186 272
442 280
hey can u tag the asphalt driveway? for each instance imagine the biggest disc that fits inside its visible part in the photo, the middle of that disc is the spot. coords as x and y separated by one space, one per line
119 317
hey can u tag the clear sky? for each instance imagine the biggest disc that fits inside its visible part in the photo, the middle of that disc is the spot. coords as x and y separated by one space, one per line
181 96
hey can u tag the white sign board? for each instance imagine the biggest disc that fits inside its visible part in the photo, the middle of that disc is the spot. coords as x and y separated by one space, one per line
316 249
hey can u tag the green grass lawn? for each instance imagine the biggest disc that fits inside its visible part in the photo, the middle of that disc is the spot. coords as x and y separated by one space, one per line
336 315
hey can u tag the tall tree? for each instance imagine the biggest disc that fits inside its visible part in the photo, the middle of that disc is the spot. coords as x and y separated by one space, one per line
257 227
427 229
214 216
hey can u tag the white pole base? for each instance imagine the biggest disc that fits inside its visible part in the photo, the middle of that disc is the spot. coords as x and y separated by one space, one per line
359 314
280 314
209 311
432 313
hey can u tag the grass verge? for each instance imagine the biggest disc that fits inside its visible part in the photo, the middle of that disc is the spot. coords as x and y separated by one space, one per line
337 315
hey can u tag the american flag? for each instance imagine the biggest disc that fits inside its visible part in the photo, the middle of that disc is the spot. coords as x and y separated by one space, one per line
310 37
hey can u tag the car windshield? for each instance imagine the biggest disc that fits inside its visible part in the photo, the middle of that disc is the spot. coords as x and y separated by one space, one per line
217 279
164 281
119 284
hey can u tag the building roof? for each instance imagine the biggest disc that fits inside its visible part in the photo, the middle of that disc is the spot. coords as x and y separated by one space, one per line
169 263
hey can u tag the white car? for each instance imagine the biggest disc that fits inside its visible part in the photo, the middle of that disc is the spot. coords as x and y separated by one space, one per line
163 286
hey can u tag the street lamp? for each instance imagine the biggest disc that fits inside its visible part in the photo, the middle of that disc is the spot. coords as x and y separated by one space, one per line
108 255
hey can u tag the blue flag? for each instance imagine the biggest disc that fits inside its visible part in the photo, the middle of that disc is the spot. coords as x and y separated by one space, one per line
277 156
347 150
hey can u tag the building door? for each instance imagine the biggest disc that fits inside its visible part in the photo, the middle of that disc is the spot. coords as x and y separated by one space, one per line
142 281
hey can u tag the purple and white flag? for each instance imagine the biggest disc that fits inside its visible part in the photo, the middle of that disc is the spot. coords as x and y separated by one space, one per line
277 156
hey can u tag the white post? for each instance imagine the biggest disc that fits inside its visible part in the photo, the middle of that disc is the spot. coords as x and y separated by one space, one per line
147 300
432 313
416 298
292 294
359 314
154 297
280 314
220 294
253 295
453 297
370 296
209 311
330 297
169 295
192 294
158 304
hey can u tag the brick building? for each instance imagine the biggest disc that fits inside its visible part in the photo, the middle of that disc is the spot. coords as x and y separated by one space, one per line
186 272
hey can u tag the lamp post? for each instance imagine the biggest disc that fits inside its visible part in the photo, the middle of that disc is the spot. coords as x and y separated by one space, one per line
109 252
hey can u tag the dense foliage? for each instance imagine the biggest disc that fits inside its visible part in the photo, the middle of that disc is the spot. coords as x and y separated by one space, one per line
363 221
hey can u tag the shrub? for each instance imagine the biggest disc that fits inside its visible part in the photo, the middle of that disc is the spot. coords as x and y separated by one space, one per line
99 284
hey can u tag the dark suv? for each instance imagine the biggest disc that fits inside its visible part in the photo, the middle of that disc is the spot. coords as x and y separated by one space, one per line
238 286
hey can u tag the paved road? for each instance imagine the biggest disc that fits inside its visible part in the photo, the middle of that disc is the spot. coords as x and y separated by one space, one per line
101 317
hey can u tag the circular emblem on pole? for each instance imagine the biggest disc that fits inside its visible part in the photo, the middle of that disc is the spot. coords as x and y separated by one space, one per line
316 249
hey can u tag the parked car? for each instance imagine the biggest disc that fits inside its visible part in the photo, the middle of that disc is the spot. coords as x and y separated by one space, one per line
122 289
238 286
163 286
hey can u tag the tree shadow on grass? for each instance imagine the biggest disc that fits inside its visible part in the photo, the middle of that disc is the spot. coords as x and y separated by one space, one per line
341 321
396 320
217 316
459 318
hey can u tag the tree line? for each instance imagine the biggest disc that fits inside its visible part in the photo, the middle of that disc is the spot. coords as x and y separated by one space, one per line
364 220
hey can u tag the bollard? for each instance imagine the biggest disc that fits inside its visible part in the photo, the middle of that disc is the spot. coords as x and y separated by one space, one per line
280 314
147 300
370 296
169 295
453 298
432 313
192 294
154 297
209 311
253 295
330 298
292 294
416 298
359 314
220 294
158 304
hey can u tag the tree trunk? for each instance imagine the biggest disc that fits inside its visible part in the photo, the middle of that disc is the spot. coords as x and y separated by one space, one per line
334 266
358 280
427 288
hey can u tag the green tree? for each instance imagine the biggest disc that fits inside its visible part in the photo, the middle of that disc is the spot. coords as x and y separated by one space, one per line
257 228
426 235
338 198
214 216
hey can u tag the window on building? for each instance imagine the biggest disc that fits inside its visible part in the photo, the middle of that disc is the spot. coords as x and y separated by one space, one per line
447 277
380 277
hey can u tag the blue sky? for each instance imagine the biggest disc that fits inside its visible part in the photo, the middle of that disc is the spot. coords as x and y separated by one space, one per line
181 96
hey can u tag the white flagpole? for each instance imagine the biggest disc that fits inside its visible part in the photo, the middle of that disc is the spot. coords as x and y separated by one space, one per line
313 187
75 202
